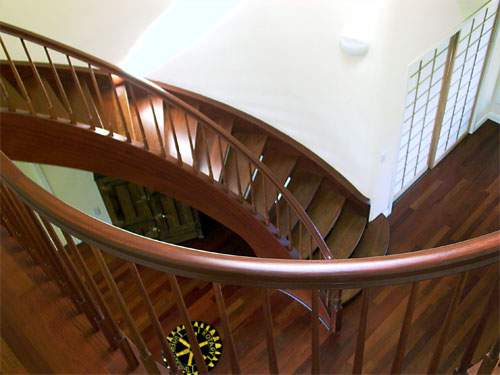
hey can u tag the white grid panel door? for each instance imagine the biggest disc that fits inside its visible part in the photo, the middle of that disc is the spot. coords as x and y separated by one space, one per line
469 60
424 86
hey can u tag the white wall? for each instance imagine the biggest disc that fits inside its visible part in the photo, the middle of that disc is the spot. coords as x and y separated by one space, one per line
283 64
106 29
74 187
280 61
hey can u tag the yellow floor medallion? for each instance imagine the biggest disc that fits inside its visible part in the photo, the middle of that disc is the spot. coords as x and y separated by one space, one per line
208 339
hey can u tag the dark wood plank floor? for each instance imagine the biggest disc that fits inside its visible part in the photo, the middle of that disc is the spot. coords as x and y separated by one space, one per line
458 199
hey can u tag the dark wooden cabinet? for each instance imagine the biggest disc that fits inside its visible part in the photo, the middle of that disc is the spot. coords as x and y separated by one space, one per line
148 213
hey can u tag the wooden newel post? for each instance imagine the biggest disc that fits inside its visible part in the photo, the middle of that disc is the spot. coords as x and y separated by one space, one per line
336 311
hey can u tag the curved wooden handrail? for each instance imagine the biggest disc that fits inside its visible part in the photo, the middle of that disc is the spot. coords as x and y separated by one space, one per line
154 89
258 272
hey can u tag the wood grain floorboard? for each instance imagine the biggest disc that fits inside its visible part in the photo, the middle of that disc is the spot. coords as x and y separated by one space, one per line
457 200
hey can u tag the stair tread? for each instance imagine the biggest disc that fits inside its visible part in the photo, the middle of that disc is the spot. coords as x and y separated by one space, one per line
349 294
215 151
77 105
15 97
303 186
146 117
346 234
324 212
255 144
374 242
375 239
114 121
281 164
38 97
183 132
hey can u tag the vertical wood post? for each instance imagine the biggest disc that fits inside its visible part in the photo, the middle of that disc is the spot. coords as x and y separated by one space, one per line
146 357
233 354
360 342
336 311
193 341
271 349
315 358
153 317
98 315
474 341
397 364
445 328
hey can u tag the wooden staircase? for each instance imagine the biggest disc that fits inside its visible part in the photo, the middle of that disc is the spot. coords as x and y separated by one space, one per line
113 106
281 198
338 217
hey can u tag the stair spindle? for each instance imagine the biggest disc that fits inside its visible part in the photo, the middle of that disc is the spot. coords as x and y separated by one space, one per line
137 115
157 126
233 354
60 87
76 80
19 80
71 275
30 241
238 176
278 223
272 358
120 109
266 211
119 339
289 226
98 315
153 318
191 146
223 175
360 341
310 246
300 241
10 105
101 110
167 109
436 357
93 311
315 357
146 357
336 311
481 324
39 80
397 364
207 151
198 356
250 186
49 252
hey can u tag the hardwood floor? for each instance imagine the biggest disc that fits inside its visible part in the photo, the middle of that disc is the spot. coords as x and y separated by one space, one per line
458 199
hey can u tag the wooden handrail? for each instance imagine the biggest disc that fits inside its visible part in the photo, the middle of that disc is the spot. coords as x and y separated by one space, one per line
237 270
156 90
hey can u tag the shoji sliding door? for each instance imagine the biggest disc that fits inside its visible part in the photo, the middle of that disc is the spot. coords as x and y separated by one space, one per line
468 64
425 82
442 88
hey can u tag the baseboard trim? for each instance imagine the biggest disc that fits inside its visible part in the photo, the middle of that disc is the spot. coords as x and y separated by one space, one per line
487 116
